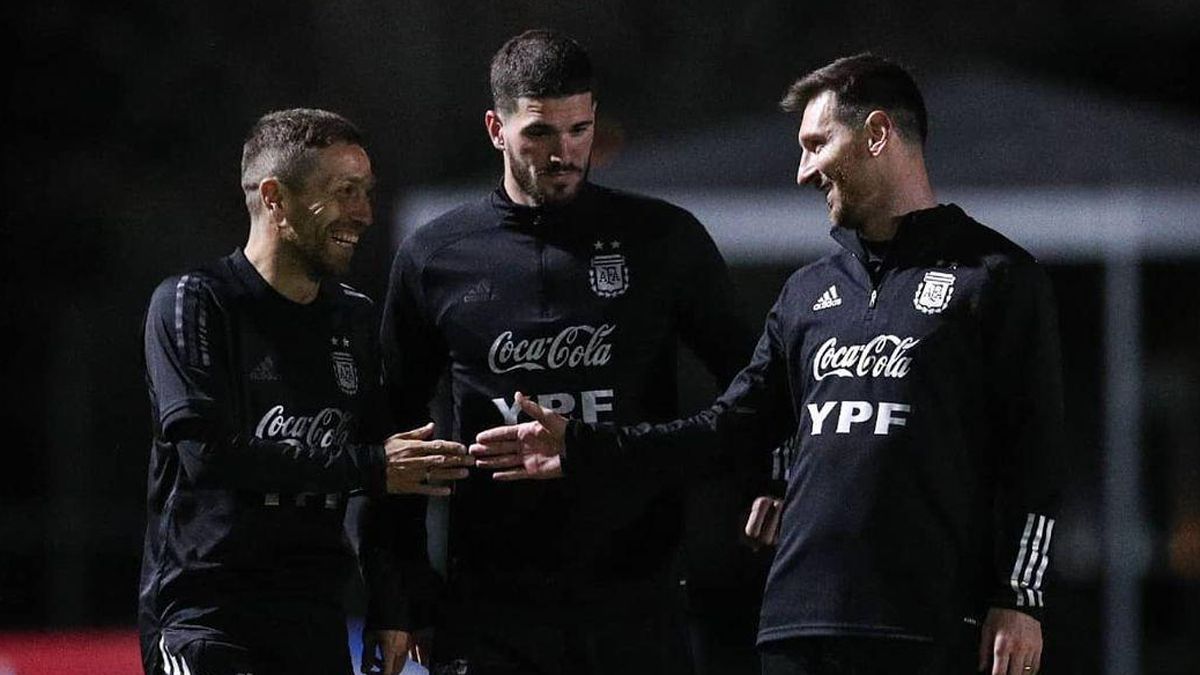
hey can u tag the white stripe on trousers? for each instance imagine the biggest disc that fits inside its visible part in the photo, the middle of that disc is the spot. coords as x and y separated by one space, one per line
172 665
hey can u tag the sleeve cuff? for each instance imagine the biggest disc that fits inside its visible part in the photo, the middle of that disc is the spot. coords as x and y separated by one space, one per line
374 466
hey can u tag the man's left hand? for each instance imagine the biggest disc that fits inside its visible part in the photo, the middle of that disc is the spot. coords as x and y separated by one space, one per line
384 651
1012 640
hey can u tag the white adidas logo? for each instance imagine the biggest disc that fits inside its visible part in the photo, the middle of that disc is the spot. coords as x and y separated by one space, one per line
829 298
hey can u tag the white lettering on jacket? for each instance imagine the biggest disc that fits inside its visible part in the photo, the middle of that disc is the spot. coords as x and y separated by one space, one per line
574 346
591 404
881 356
886 415
327 428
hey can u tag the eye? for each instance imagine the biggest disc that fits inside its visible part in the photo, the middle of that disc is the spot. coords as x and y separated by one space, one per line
349 191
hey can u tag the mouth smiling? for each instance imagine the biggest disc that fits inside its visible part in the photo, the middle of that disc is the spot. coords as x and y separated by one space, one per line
346 239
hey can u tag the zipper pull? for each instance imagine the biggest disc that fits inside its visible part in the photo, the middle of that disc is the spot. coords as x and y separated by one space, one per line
871 302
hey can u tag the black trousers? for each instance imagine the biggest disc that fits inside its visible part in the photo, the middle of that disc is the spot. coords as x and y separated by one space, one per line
312 644
647 637
872 656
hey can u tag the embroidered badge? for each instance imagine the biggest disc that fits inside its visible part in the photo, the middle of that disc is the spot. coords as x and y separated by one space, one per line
934 292
609 275
344 371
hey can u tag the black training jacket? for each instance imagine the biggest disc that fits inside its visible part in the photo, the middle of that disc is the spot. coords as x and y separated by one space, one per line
581 307
928 402
266 414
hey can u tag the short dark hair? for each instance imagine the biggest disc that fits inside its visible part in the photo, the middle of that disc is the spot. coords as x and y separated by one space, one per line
862 83
284 144
539 64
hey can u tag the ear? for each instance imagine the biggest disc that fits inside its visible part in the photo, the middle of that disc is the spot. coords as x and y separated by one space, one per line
493 124
879 131
272 193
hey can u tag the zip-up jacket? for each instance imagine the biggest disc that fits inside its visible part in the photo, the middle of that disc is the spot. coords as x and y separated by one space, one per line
927 399
581 307
267 415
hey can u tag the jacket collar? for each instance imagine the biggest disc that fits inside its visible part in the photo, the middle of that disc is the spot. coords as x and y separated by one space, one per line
919 231
536 217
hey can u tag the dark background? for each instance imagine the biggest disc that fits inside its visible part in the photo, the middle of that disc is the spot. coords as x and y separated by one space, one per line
121 167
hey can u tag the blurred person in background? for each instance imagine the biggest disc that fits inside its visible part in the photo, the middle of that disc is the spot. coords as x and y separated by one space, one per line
267 414
920 367
580 295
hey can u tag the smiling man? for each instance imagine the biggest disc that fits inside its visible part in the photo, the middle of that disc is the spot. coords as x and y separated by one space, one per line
919 368
579 295
267 413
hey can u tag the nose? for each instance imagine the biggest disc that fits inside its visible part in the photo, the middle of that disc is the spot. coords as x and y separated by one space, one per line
557 148
807 174
360 209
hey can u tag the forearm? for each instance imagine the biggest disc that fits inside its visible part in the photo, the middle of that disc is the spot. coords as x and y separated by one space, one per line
678 449
238 462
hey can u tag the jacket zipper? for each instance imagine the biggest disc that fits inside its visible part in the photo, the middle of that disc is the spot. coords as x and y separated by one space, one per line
873 298
542 286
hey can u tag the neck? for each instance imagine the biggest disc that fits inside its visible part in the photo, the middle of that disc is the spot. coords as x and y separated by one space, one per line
513 189
288 277
912 193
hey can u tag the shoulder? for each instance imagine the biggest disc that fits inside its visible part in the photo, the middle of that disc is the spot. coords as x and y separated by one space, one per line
206 285
824 270
976 240
656 221
450 227
1008 265
632 203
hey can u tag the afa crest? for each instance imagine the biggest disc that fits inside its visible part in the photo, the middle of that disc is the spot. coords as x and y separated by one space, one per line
934 292
345 373
609 275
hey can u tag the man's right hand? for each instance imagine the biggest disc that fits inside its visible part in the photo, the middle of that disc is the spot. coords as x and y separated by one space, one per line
418 465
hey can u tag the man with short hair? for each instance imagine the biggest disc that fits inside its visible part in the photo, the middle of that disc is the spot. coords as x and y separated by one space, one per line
580 295
267 413
920 367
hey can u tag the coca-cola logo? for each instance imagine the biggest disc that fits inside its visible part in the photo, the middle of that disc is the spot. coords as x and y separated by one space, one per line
882 356
326 429
573 346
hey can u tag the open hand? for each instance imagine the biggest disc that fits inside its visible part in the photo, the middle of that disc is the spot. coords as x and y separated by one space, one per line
524 451
417 465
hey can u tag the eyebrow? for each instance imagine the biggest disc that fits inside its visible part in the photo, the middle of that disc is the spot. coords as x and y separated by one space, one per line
811 137
369 181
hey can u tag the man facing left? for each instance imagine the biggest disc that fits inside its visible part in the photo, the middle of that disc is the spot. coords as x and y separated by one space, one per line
265 394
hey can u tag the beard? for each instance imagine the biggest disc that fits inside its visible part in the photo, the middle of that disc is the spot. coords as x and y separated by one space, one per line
312 244
845 211
540 184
